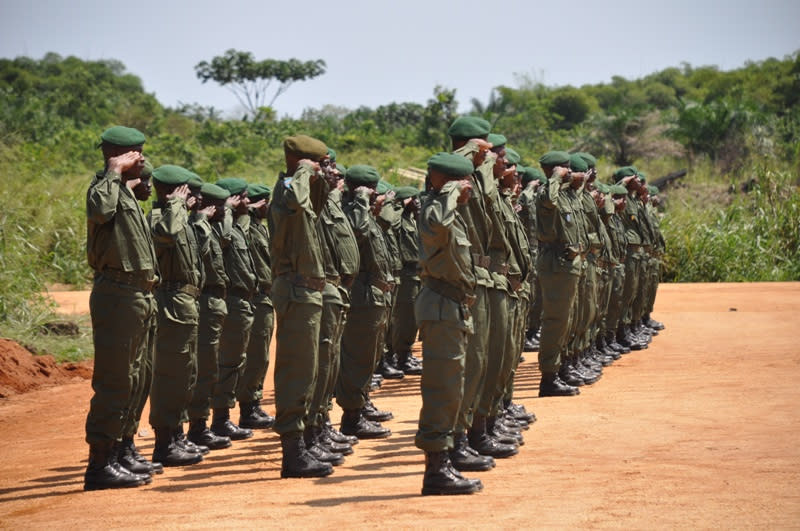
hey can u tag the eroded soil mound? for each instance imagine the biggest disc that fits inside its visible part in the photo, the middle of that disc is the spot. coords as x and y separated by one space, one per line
22 371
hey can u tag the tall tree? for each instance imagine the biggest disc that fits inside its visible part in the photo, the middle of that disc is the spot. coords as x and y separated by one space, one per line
250 80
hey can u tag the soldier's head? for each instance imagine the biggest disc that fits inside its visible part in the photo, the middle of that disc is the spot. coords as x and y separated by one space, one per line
465 128
552 160
303 147
195 184
364 176
144 189
237 188
118 140
215 196
255 194
167 178
579 169
619 195
444 167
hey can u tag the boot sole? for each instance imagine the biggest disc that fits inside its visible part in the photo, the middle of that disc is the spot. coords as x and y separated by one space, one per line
301 475
91 487
370 435
439 491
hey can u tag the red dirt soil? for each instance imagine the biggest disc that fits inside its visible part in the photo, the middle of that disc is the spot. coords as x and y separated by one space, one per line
21 371
701 430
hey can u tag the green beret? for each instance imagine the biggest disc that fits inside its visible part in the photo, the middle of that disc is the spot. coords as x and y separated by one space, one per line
305 147
234 185
383 187
451 165
362 175
642 176
512 157
194 180
554 158
617 189
257 192
576 163
530 174
170 174
602 188
625 171
590 160
147 171
652 190
213 191
332 155
342 168
496 140
404 192
469 127
122 136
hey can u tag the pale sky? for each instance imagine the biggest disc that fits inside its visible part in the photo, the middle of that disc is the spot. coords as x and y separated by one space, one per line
378 52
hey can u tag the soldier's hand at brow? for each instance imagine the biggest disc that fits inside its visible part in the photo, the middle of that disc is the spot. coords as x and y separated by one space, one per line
182 192
125 161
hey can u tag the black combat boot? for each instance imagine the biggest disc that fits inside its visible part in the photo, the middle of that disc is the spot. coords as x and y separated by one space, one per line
297 462
317 451
169 453
354 423
199 434
569 376
129 457
613 342
336 435
442 478
652 323
531 343
405 364
116 450
261 413
222 426
518 412
485 444
371 412
387 369
502 434
250 418
103 472
187 445
324 440
465 461
552 385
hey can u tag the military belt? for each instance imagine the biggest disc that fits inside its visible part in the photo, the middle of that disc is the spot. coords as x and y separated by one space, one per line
241 293
333 279
215 291
449 291
481 260
317 284
181 287
134 279
501 268
383 285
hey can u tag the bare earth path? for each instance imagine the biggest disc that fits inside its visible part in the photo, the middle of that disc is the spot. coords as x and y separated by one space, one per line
700 430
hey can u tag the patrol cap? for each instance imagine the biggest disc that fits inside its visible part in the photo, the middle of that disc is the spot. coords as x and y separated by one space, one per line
383 187
305 147
576 163
554 158
530 174
171 174
617 189
512 157
451 165
404 192
147 171
257 192
469 127
122 136
362 175
332 155
234 185
588 157
496 139
625 171
194 180
213 191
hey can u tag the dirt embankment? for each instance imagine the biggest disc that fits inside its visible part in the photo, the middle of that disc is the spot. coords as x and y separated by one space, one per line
21 371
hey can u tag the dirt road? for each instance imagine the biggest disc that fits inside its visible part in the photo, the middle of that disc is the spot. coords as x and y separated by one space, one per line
701 430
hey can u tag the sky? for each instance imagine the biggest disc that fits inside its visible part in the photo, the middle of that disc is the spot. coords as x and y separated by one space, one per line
384 51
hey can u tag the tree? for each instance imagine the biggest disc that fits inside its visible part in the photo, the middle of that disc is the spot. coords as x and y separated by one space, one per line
250 80
437 117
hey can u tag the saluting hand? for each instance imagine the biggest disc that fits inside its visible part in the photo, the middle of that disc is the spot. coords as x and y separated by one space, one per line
208 211
466 191
126 161
181 191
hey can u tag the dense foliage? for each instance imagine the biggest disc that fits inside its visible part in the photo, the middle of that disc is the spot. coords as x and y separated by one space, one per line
725 127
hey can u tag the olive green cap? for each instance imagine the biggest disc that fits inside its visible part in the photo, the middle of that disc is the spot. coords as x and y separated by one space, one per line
170 174
590 160
642 176
383 187
451 165
213 191
602 188
362 175
625 171
257 192
576 163
617 189
469 127
652 190
194 180
404 192
147 171
554 158
234 185
332 155
122 136
530 174
306 147
342 168
496 139
512 157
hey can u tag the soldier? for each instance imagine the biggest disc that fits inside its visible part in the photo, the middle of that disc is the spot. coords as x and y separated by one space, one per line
121 254
213 310
233 341
618 255
532 179
298 282
175 362
659 248
363 336
442 310
249 390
